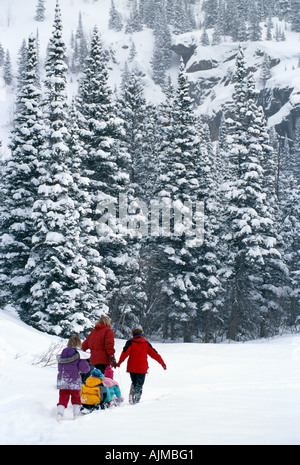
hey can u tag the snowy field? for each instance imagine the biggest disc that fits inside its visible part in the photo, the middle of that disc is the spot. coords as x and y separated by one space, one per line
226 394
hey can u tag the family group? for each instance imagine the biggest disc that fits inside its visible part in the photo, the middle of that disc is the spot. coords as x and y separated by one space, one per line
86 375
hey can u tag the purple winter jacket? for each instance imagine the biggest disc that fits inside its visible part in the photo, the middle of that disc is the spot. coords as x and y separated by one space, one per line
69 367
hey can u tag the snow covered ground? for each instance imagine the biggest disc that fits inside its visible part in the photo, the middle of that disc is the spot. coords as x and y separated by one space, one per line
225 394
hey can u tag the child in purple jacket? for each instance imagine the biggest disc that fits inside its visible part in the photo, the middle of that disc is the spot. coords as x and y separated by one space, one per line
71 362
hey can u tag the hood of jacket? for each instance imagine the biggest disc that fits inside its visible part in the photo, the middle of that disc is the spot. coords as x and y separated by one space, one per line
68 355
93 382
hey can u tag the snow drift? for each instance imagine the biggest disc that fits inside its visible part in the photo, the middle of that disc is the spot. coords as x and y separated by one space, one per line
211 394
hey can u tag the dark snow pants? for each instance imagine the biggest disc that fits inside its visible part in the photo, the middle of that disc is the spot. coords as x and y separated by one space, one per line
136 389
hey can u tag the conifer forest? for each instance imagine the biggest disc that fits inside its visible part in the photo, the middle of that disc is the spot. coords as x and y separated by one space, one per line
113 204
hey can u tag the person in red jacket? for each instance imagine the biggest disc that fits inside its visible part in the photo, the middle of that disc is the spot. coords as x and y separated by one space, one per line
137 349
101 343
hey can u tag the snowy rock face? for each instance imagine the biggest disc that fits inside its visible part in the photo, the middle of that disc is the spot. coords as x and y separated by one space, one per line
153 38
202 65
210 73
184 51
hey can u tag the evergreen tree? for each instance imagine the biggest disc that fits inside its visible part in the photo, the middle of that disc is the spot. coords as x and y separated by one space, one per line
269 30
132 52
289 221
148 10
274 279
295 15
134 23
204 38
93 281
142 6
22 72
277 33
125 77
219 26
212 255
284 9
162 46
158 67
40 10
2 55
241 34
115 19
216 37
134 113
231 18
80 48
99 130
22 64
294 162
106 163
179 191
155 276
265 69
20 188
7 70
254 30
289 182
164 146
170 12
210 8
56 266
181 21
249 222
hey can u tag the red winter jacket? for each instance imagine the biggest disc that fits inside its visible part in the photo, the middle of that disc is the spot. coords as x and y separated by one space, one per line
137 349
101 342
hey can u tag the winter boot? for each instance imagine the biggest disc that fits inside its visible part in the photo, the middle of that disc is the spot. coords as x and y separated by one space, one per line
76 411
131 395
138 395
60 412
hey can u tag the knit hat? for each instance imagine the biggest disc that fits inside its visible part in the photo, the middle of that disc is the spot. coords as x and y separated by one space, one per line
136 331
109 372
97 373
